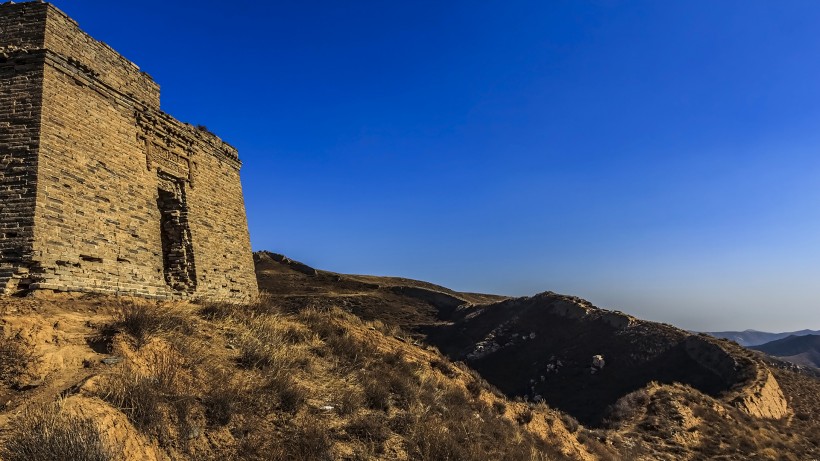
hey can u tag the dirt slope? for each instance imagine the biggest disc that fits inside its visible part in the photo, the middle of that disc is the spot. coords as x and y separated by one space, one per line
335 367
259 382
542 348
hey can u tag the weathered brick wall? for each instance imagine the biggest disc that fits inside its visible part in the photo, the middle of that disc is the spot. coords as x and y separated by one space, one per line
21 29
64 37
97 221
22 26
214 198
20 77
128 200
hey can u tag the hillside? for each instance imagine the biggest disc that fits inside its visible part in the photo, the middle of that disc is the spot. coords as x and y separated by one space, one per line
335 367
99 378
801 350
755 338
543 347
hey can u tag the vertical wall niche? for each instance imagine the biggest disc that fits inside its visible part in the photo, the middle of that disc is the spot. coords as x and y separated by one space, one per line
177 249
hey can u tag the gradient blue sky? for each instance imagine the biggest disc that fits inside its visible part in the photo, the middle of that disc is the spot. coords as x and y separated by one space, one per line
656 157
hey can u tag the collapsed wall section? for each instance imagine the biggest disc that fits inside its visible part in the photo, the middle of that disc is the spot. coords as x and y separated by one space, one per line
21 71
208 171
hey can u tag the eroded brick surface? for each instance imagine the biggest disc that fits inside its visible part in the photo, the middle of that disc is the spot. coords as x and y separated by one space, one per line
101 191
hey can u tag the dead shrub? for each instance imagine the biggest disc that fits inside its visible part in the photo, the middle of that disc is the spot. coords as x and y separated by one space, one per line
377 394
220 310
595 443
570 423
454 397
216 310
14 358
371 429
443 367
267 343
474 388
525 417
395 359
404 389
222 399
48 433
626 407
321 321
288 394
220 407
137 396
401 422
348 348
307 439
348 400
144 321
500 407
155 400
430 439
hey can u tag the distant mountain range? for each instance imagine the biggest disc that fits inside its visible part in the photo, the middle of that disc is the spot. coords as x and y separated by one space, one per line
749 338
802 350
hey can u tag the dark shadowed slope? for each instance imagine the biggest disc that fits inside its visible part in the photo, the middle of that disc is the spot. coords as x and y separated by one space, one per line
802 350
543 347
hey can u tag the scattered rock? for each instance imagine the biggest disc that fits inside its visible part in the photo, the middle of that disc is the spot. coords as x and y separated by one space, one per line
113 360
194 432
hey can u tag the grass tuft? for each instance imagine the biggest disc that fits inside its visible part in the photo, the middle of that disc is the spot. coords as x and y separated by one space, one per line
48 433
144 321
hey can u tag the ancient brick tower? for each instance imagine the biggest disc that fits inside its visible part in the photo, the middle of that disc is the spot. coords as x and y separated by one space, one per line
100 191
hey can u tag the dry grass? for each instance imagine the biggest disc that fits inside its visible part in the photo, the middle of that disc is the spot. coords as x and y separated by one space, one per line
311 384
626 408
158 398
48 433
306 438
227 382
142 321
271 342
14 358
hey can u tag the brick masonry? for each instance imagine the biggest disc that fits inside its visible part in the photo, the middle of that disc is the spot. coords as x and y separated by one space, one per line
100 191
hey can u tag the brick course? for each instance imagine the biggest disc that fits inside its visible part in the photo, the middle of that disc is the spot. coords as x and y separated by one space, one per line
101 191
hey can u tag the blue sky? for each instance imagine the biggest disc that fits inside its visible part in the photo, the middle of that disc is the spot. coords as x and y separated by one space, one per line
658 157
